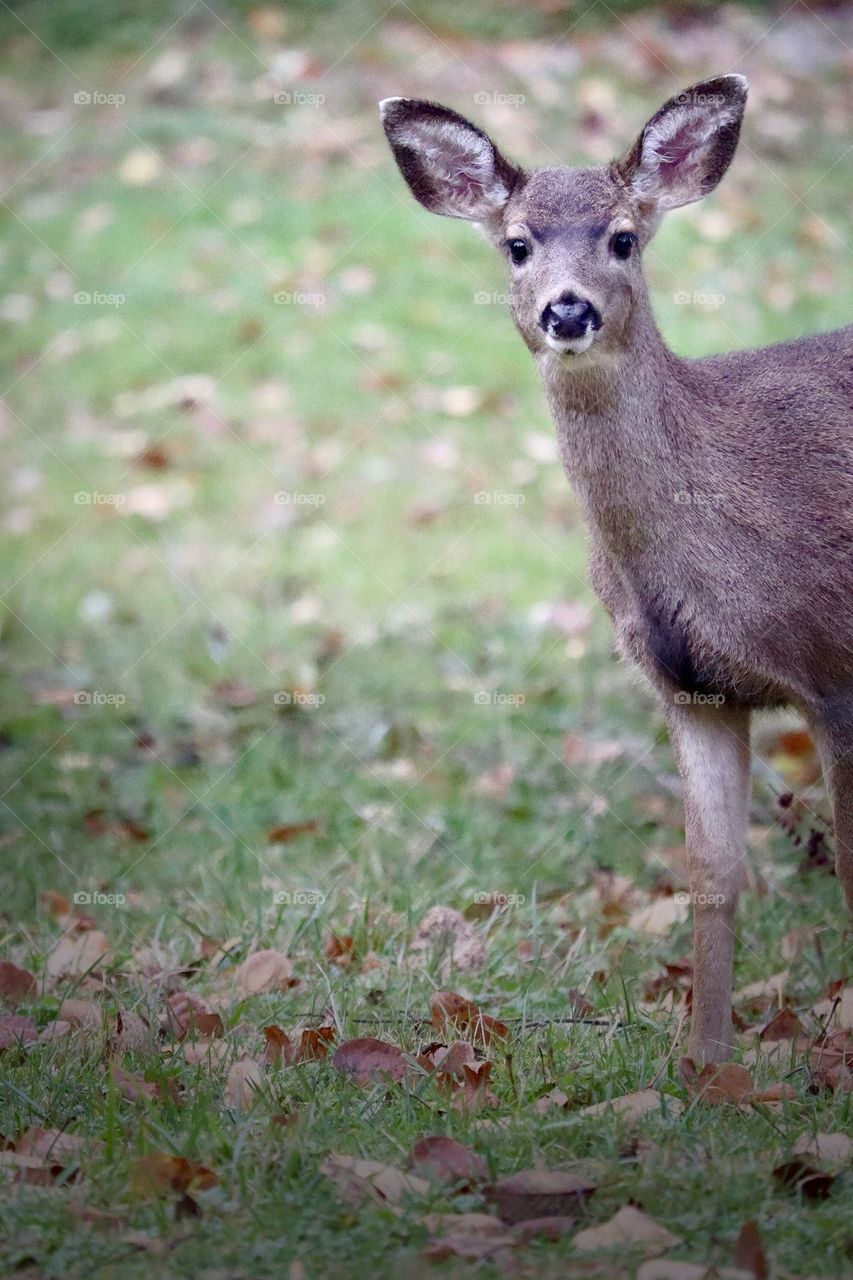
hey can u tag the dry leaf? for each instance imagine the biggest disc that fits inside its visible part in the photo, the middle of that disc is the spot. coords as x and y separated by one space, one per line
78 953
446 932
717 1083
15 983
15 1029
660 917
82 1013
132 1033
288 831
245 1078
445 1160
796 1174
633 1106
538 1193
553 1098
132 1087
189 1015
749 1251
834 1149
550 1228
628 1228
465 1235
313 1045
369 1061
837 1011
360 1180
264 971
464 1016
675 1269
158 1174
784 1026
53 1146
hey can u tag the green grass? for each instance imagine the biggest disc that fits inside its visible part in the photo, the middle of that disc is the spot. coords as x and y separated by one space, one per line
381 597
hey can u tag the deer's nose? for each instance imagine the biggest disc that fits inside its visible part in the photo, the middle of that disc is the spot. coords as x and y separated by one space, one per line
569 317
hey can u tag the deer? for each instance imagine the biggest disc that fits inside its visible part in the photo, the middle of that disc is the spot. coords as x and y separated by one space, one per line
717 491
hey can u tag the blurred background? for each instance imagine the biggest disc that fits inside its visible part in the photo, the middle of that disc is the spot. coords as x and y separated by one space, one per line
293 585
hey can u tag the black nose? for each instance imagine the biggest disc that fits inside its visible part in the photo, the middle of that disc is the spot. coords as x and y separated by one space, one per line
569 317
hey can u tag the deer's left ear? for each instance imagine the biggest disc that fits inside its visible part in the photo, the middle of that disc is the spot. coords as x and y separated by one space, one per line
451 166
686 147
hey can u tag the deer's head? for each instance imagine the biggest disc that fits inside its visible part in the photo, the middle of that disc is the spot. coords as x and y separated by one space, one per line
573 238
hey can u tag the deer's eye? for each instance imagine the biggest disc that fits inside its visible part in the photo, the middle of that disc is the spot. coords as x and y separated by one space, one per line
517 250
623 243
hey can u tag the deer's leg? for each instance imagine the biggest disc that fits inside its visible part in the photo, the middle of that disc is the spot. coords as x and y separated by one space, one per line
712 749
833 731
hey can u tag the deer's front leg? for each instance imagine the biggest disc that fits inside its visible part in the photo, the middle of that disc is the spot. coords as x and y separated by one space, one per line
712 749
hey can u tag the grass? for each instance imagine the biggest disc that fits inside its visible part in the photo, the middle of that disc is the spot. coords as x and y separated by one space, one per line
275 595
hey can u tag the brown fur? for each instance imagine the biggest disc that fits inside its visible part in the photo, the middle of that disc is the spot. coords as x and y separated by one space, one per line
718 492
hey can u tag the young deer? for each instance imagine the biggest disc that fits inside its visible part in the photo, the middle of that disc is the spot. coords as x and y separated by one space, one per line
718 491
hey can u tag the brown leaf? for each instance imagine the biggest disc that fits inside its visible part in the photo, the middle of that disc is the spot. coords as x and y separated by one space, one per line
53 1146
749 1251
717 1083
15 983
132 1087
466 1235
445 1160
245 1079
78 953
341 950
369 1061
547 1101
796 1174
538 1193
15 1029
473 1092
267 970
158 1174
628 1228
189 1016
446 932
465 1017
132 1033
834 1149
287 831
632 1106
784 1026
549 1228
82 1013
360 1180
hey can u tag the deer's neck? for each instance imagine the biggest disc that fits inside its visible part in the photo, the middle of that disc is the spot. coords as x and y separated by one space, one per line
620 431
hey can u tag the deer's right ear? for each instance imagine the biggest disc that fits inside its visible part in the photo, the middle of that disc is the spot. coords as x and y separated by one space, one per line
451 166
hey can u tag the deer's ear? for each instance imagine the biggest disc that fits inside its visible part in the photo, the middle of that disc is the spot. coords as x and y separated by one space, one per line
685 148
451 166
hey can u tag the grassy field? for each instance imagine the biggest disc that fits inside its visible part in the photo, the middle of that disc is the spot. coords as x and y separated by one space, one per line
297 645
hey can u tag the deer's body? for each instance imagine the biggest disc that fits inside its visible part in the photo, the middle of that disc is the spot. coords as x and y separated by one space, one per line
718 492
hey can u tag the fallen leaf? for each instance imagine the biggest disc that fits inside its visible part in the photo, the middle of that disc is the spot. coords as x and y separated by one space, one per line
15 1029
628 1228
77 953
15 983
312 1046
834 1149
473 1092
446 933
549 1228
837 1011
131 1034
132 1087
341 950
538 1193
360 1180
784 1026
547 1101
189 1015
53 1146
445 1160
158 1174
717 1083
466 1235
245 1078
659 917
452 1010
82 1013
798 1175
749 1251
632 1106
264 971
287 831
675 1269
369 1061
